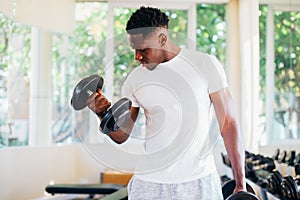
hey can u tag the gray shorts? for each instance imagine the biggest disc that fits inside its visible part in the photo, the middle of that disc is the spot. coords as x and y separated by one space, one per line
208 188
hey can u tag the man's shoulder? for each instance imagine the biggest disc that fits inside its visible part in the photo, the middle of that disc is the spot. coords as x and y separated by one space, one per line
198 54
195 57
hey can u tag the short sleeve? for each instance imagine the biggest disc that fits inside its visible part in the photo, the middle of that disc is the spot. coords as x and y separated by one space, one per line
215 75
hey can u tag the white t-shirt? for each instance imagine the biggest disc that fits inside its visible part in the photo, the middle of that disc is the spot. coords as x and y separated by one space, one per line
181 126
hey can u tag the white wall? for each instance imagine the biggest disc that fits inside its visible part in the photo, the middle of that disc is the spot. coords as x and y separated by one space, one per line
26 171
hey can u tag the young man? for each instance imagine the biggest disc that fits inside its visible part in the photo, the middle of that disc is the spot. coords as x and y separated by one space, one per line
181 91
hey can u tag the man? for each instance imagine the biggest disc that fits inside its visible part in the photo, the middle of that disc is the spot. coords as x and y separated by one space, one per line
178 89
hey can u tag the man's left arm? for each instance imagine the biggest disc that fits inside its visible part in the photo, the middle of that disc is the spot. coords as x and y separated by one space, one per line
230 132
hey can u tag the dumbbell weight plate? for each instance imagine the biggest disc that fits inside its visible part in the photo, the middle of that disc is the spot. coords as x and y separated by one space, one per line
274 182
116 116
297 181
242 196
289 188
297 159
82 89
228 187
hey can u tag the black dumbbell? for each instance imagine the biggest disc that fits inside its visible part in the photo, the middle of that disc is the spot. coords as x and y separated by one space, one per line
226 160
290 158
113 118
242 196
282 157
224 178
256 160
228 187
290 187
265 163
274 182
250 172
276 154
297 159
249 156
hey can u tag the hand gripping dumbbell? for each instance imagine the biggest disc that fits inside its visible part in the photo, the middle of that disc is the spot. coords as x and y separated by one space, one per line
114 117
228 188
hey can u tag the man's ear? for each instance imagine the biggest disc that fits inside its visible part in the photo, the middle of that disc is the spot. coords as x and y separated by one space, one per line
162 39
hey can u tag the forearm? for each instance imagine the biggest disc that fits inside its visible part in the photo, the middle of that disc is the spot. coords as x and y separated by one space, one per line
124 132
118 136
235 150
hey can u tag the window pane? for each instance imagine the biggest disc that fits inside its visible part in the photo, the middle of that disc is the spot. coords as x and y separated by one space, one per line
286 123
74 57
287 75
211 30
14 82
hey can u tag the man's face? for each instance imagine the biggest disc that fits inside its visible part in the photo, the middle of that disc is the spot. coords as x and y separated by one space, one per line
147 50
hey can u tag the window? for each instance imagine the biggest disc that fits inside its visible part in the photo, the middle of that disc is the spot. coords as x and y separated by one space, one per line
211 30
285 124
81 54
14 82
75 57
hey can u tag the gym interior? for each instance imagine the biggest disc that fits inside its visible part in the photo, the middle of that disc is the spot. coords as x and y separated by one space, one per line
49 150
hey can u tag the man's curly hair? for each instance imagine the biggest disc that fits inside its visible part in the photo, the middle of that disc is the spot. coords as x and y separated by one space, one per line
146 20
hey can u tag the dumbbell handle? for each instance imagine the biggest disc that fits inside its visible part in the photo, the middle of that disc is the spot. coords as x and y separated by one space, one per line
102 114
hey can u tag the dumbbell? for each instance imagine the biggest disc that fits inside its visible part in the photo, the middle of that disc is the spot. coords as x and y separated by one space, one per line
266 164
282 156
258 168
227 191
297 159
274 182
290 163
114 117
281 162
226 160
242 196
224 178
290 158
290 187
250 172
261 162
276 154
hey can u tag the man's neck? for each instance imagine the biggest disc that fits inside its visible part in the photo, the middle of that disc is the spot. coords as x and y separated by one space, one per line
171 52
